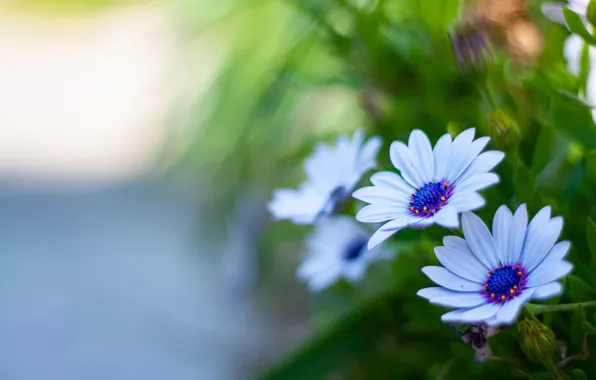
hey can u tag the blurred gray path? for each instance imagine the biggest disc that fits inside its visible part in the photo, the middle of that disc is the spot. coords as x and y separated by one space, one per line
113 285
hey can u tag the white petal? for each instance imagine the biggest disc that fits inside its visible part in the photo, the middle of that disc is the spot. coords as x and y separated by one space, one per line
572 51
386 231
463 154
510 310
379 213
540 239
453 316
484 163
549 290
479 239
435 292
539 221
423 154
367 156
355 270
403 160
517 233
392 181
462 263
324 279
501 226
377 194
447 279
554 12
447 217
301 206
559 251
460 299
478 182
466 201
480 313
442 153
547 272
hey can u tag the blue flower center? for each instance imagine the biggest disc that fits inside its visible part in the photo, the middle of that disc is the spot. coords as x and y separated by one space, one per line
354 249
429 199
504 283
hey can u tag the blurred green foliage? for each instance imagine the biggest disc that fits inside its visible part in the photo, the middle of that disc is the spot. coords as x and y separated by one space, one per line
300 71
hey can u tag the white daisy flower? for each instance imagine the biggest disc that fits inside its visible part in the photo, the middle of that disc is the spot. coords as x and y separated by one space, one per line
336 249
332 174
435 184
489 278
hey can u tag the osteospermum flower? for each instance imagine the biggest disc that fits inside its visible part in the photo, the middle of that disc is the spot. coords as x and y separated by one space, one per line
336 249
489 278
435 184
332 174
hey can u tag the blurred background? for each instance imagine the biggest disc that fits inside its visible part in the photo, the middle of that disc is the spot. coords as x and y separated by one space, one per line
140 141
108 269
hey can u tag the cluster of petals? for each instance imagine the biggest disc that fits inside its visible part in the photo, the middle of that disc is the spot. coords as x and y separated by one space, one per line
435 185
332 172
488 278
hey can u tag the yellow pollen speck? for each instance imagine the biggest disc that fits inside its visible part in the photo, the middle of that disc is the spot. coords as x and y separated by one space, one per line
503 297
445 184
519 273
511 291
412 208
425 208
417 211
492 295
443 199
515 287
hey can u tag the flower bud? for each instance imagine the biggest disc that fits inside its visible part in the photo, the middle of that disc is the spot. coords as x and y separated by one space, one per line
536 340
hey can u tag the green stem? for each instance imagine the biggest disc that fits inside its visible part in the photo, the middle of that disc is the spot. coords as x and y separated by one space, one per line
539 309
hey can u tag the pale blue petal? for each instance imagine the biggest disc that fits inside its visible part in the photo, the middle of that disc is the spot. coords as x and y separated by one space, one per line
447 217
449 280
546 291
442 154
479 240
392 181
423 154
462 263
559 251
480 313
510 310
403 160
540 239
466 201
517 233
548 271
501 226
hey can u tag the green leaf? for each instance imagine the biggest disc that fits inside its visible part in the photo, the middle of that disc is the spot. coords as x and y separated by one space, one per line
579 374
576 25
591 236
588 328
579 290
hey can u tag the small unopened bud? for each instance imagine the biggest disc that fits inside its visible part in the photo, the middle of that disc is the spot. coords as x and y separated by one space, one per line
470 45
536 340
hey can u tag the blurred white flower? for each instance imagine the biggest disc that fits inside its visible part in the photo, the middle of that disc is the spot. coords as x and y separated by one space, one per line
489 278
434 187
574 45
336 249
332 174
